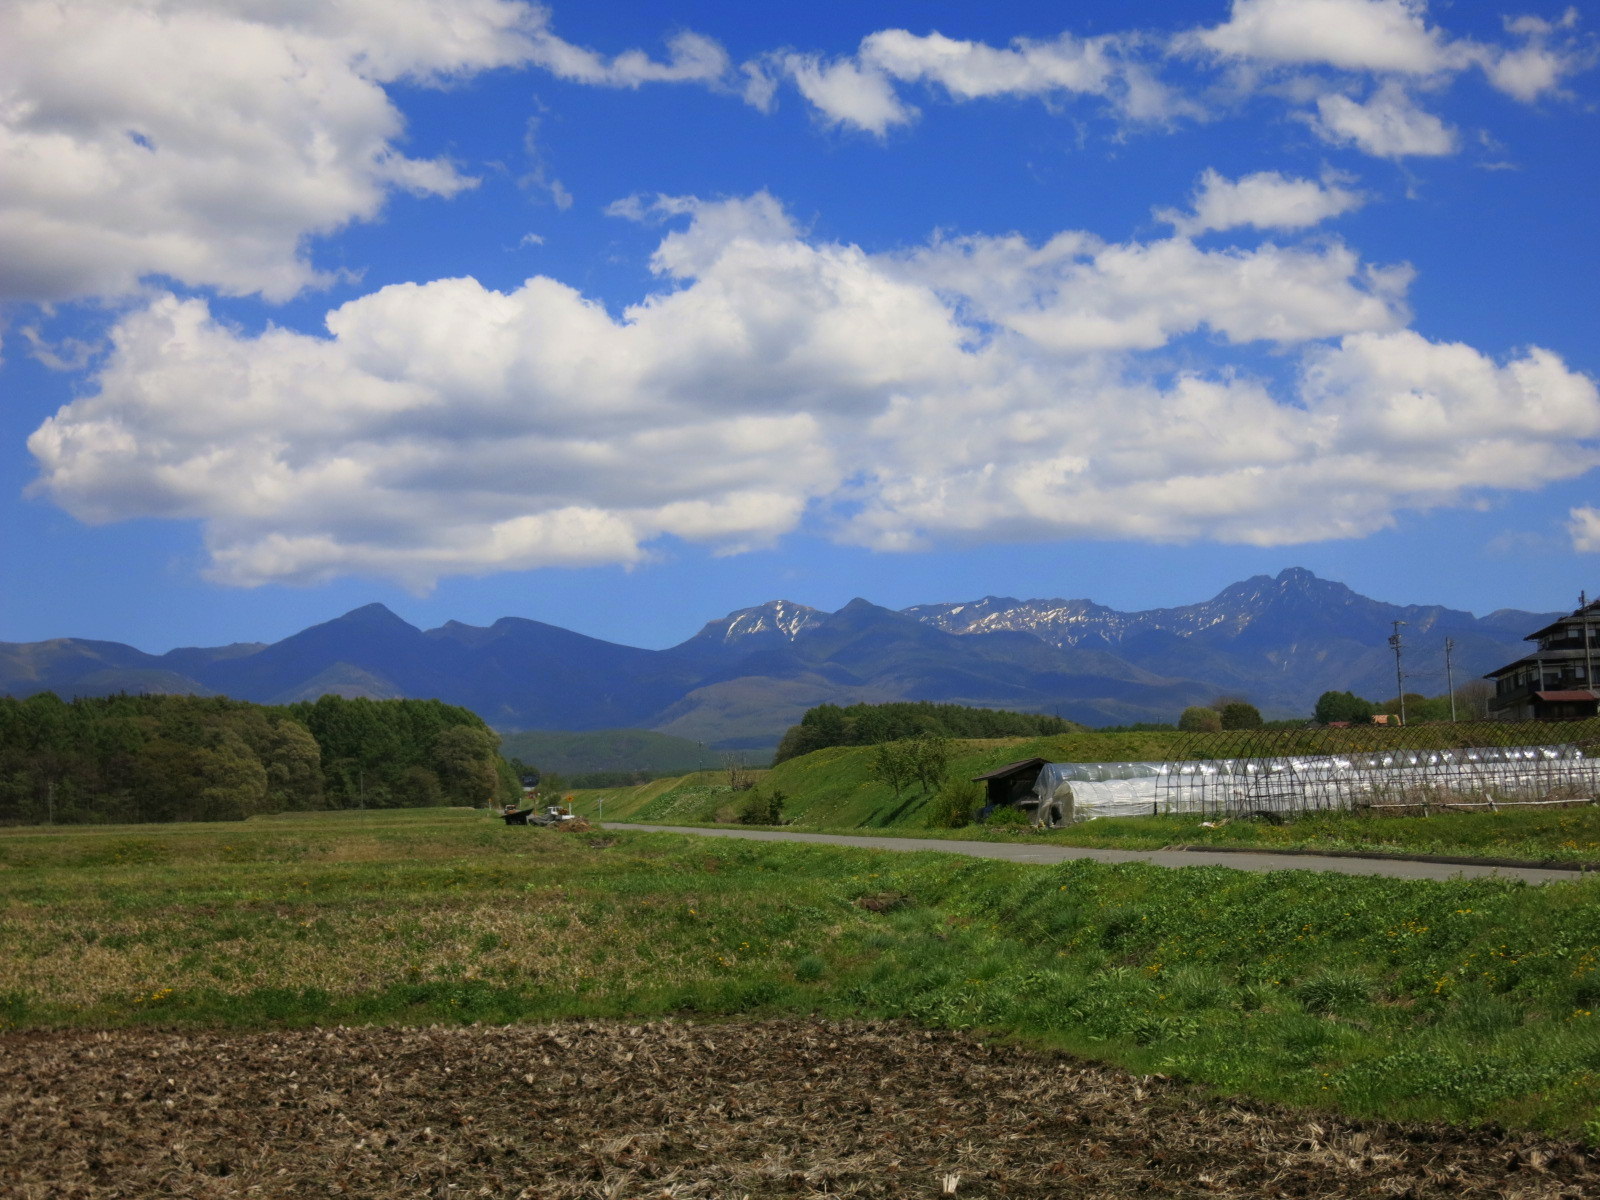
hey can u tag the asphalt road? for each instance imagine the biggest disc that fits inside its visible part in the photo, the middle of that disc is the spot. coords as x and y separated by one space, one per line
1024 853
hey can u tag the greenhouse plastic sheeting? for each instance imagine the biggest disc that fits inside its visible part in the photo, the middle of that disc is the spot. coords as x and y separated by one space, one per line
1084 791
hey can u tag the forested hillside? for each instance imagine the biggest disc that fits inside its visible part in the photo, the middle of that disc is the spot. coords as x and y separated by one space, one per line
867 724
187 758
619 751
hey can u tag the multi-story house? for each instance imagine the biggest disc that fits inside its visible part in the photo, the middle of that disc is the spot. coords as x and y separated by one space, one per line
1556 681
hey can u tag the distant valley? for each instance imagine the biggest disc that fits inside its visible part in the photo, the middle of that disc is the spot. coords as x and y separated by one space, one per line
744 678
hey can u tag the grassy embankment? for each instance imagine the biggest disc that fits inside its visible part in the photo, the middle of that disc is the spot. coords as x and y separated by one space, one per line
1466 1000
833 790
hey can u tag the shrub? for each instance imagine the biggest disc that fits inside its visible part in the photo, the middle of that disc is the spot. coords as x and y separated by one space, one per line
1008 814
955 803
763 808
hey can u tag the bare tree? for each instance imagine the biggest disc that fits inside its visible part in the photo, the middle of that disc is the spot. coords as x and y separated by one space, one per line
1473 698
740 777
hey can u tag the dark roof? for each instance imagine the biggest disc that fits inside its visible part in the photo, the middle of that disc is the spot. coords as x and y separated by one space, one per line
1588 615
1016 768
1551 658
1556 697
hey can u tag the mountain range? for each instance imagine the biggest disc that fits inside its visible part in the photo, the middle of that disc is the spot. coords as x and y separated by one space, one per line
739 682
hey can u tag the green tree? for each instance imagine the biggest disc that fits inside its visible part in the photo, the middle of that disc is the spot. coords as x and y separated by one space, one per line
1342 706
891 764
229 782
293 764
464 758
929 759
419 788
1420 707
1199 719
1240 714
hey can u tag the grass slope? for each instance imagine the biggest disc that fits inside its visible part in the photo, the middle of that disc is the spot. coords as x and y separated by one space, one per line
1469 1000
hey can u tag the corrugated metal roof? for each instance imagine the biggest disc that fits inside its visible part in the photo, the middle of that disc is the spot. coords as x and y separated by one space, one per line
1557 697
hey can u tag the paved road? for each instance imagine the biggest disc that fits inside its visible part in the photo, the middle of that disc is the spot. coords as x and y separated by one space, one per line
1025 853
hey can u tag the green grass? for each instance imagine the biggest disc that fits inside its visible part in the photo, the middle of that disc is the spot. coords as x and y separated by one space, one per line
1469 1000
1538 835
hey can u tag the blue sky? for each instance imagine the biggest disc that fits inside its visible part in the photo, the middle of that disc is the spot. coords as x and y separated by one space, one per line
623 315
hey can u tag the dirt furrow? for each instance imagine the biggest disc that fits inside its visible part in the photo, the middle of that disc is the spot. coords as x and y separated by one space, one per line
678 1109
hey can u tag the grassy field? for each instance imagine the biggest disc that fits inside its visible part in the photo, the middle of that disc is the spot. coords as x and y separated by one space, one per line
1531 835
833 791
1466 1000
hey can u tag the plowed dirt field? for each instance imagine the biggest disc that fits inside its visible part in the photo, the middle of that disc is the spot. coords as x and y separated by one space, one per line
676 1109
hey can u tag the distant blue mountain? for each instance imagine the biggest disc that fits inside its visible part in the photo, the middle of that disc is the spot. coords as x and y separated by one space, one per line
744 678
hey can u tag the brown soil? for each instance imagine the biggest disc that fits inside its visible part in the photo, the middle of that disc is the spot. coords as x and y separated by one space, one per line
673 1109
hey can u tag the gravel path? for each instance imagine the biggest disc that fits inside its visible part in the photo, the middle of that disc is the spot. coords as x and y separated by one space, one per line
1026 853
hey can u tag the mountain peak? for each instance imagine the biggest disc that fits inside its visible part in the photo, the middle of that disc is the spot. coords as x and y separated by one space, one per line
783 617
373 614
777 622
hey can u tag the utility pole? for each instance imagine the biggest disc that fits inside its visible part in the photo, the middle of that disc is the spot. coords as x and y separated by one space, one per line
1449 677
1399 675
1589 664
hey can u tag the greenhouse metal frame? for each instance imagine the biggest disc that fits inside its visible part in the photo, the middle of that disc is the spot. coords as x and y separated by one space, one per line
1285 773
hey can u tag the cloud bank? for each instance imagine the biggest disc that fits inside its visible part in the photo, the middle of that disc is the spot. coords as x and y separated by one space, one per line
1349 69
209 142
966 390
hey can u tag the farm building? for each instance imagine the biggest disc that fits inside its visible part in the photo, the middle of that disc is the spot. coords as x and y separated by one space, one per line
1011 783
1556 682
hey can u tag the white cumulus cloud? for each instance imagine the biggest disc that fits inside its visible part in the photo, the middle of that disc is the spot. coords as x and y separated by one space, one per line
1550 51
1388 124
691 58
1390 40
845 92
974 389
207 141
862 90
1584 526
1263 200
1356 35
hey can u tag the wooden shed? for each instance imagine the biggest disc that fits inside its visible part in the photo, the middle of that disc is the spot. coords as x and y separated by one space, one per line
1010 783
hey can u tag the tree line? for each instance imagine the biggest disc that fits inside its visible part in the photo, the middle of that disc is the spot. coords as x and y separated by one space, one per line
873 724
189 758
1470 702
